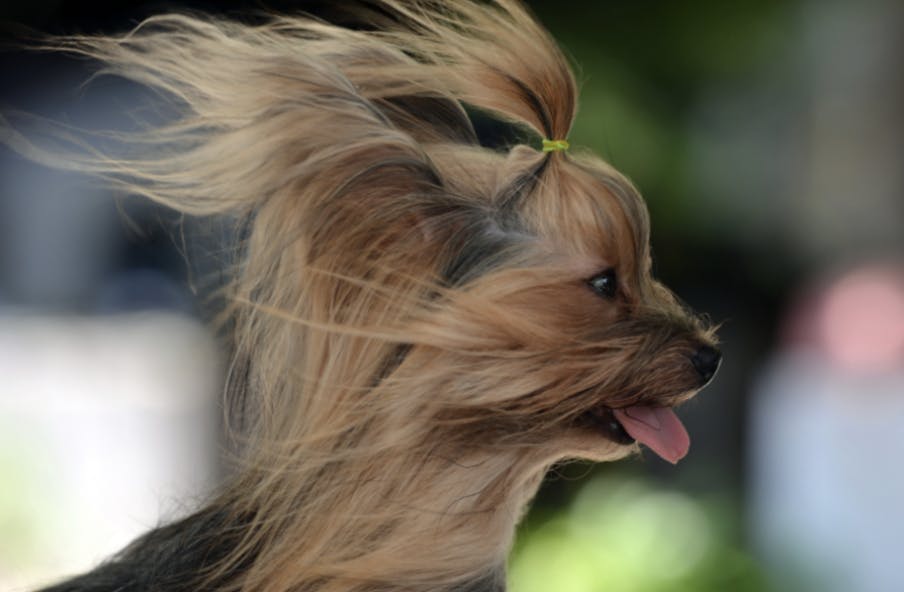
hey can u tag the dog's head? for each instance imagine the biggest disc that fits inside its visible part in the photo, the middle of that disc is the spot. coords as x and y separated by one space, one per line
394 263
543 327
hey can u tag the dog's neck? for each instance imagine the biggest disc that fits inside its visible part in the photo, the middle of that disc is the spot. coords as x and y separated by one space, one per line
461 523
446 524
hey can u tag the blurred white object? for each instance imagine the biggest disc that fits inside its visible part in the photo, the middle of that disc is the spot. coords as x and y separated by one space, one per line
107 426
827 440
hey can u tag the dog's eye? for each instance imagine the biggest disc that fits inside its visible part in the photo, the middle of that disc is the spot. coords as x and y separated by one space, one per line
604 284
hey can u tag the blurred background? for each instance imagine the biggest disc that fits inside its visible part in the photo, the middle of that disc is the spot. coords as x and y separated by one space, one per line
767 139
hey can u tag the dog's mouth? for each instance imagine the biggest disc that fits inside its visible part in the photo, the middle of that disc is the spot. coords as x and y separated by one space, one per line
602 420
656 427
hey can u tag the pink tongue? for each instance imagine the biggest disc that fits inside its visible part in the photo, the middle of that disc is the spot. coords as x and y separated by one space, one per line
657 427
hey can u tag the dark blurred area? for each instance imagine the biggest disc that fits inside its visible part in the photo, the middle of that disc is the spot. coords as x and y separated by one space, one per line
765 136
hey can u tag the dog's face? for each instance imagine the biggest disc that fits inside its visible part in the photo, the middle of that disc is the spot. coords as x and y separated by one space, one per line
558 338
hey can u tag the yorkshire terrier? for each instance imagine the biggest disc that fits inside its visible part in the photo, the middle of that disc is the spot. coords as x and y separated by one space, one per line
422 324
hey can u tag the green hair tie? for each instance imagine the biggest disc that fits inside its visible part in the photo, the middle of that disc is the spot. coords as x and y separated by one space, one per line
554 145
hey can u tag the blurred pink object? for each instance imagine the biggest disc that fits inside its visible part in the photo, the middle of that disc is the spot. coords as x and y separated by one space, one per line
855 322
862 320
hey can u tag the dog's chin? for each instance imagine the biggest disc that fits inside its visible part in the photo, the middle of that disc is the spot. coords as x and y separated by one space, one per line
596 436
586 444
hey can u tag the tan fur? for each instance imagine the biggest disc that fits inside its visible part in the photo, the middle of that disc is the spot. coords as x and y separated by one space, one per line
394 423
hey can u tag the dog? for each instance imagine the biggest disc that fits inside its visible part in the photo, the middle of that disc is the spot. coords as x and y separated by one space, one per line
421 323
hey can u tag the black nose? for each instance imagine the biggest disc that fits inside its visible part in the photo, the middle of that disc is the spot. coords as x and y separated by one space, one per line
706 360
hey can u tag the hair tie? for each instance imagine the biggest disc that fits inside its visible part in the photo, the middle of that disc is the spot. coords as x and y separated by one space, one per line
554 145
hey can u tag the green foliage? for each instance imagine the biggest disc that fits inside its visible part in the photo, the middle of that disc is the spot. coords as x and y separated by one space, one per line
626 536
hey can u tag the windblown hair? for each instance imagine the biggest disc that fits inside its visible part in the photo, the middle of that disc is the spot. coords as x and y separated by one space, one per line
414 342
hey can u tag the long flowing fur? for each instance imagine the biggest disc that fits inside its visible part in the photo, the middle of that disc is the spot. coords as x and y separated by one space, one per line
414 342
